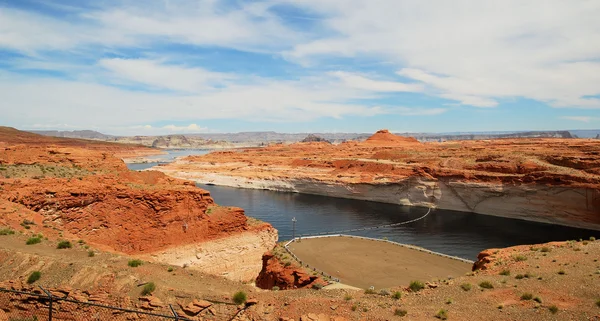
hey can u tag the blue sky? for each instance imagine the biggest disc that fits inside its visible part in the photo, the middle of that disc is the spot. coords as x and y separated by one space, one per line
181 66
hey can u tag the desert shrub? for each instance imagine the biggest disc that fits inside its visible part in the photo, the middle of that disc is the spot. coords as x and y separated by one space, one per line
545 249
592 238
317 286
553 309
486 285
528 275
520 258
384 292
526 296
598 303
64 245
519 276
466 286
240 297
537 299
148 288
416 286
34 276
449 301
135 263
397 295
81 242
347 297
442 314
275 288
33 240
288 263
370 291
561 272
91 254
354 307
6 231
365 309
400 312
170 269
505 272
500 306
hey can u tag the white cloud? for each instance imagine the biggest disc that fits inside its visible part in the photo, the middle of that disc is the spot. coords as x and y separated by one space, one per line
360 82
585 119
475 52
155 74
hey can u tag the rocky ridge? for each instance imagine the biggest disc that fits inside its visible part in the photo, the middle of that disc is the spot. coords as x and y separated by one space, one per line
541 179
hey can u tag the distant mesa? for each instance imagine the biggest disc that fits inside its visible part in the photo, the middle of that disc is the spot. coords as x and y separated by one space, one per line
384 137
312 138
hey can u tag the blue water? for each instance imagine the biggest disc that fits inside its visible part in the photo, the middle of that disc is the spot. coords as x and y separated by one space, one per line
450 232
171 155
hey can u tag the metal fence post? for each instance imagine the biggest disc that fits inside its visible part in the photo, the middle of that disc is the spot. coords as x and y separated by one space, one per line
50 304
174 313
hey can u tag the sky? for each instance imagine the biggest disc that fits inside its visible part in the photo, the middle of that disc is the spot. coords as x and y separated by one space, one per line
127 67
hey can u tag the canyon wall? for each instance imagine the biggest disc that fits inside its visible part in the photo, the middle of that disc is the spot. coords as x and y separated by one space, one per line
237 257
570 206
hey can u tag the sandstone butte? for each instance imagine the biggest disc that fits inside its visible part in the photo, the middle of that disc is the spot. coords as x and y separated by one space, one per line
539 179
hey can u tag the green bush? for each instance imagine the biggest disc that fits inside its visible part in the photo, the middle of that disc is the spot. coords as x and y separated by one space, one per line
170 269
416 286
91 253
370 291
449 301
400 312
520 258
442 314
505 272
526 296
354 307
317 286
33 240
135 263
275 288
34 276
64 245
545 249
397 295
148 288
466 286
598 303
537 299
553 309
519 276
6 231
240 297
347 297
592 238
486 285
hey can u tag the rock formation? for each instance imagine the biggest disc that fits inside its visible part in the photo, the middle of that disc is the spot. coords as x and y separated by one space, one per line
78 191
285 277
539 179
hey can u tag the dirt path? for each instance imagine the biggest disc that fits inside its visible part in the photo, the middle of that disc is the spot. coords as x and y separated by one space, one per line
364 263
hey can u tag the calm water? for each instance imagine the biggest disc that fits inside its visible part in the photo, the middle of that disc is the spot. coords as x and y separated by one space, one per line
455 233
171 155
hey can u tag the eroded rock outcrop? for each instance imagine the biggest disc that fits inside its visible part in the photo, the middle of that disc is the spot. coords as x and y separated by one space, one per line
60 187
274 273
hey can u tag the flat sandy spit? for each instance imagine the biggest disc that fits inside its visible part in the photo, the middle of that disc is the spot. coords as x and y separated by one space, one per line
364 263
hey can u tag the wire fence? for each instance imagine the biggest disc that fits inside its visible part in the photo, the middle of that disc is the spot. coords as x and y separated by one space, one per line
41 305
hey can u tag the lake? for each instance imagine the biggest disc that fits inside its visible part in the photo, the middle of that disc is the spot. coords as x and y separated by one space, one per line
455 233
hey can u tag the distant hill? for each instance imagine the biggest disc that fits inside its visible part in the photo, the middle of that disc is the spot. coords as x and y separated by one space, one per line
246 139
83 134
